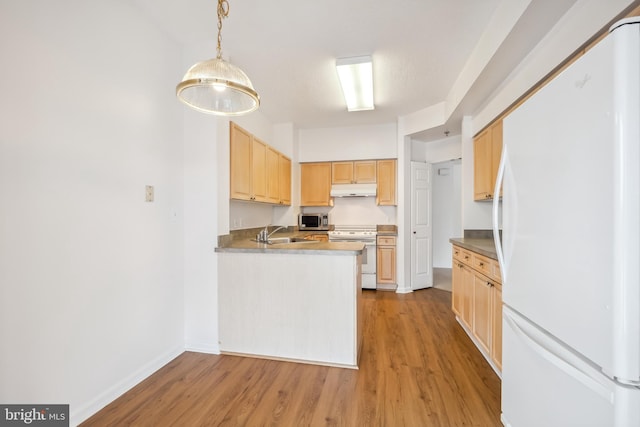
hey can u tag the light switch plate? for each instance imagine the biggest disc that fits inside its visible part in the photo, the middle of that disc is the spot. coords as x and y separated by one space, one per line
148 193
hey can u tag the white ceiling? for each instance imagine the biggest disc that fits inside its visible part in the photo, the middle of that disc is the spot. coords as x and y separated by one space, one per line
419 47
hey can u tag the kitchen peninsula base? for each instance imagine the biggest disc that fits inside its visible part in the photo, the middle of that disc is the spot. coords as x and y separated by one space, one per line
291 306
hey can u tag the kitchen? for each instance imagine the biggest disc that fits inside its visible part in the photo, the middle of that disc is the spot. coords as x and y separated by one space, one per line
62 198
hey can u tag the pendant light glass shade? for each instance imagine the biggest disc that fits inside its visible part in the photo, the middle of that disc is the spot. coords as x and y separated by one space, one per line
218 87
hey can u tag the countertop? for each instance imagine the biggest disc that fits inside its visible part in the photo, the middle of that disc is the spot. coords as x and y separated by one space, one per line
484 247
311 247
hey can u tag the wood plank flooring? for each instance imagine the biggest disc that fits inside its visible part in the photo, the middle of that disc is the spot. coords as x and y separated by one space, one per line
418 368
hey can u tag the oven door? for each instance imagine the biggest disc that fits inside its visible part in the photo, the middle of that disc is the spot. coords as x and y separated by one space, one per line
369 258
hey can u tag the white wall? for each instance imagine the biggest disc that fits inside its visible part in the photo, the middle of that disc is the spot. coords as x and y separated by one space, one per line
91 276
358 211
202 175
446 209
348 143
442 150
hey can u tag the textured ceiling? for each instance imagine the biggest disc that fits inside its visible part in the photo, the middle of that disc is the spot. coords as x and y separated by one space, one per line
419 47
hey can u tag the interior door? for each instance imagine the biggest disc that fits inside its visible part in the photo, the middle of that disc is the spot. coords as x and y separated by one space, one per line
421 226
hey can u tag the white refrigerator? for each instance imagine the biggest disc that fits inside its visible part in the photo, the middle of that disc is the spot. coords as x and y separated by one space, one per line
570 248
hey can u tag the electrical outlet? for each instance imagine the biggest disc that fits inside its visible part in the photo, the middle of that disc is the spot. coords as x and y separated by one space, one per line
148 193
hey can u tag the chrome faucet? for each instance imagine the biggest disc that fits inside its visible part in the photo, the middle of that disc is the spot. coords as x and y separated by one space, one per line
264 235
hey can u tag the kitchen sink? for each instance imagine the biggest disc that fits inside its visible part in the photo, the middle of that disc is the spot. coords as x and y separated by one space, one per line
276 240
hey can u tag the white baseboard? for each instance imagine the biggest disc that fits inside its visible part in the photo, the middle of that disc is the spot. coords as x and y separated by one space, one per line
202 348
84 411
403 290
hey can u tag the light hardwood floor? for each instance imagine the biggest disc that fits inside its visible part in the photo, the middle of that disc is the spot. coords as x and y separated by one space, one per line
418 368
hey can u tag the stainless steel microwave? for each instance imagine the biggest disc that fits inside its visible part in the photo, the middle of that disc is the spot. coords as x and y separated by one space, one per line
313 221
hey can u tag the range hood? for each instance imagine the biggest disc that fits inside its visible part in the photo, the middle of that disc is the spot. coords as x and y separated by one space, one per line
353 190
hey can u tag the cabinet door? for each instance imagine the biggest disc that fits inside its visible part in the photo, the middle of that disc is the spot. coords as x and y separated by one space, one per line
386 173
482 311
467 296
482 161
315 184
272 175
386 264
285 180
457 289
342 173
496 330
364 172
240 152
259 170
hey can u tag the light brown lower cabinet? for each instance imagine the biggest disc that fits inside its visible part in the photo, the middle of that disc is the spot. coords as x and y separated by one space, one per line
496 332
477 301
386 260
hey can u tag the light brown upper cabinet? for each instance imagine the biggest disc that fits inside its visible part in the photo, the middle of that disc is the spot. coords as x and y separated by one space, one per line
315 184
259 170
272 175
357 172
487 148
241 165
386 172
257 173
284 167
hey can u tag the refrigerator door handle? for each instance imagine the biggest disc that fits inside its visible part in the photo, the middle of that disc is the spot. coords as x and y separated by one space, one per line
495 211
544 347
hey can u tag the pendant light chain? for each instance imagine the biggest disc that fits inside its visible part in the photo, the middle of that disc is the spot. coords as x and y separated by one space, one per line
223 12
216 86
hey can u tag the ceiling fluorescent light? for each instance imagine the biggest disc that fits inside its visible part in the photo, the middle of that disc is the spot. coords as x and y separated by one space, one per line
356 79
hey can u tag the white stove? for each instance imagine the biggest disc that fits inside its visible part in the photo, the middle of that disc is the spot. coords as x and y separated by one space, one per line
353 233
367 235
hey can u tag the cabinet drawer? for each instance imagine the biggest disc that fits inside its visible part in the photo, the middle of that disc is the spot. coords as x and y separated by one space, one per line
462 255
483 264
386 240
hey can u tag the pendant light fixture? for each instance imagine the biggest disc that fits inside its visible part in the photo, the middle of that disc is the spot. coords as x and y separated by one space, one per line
216 86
